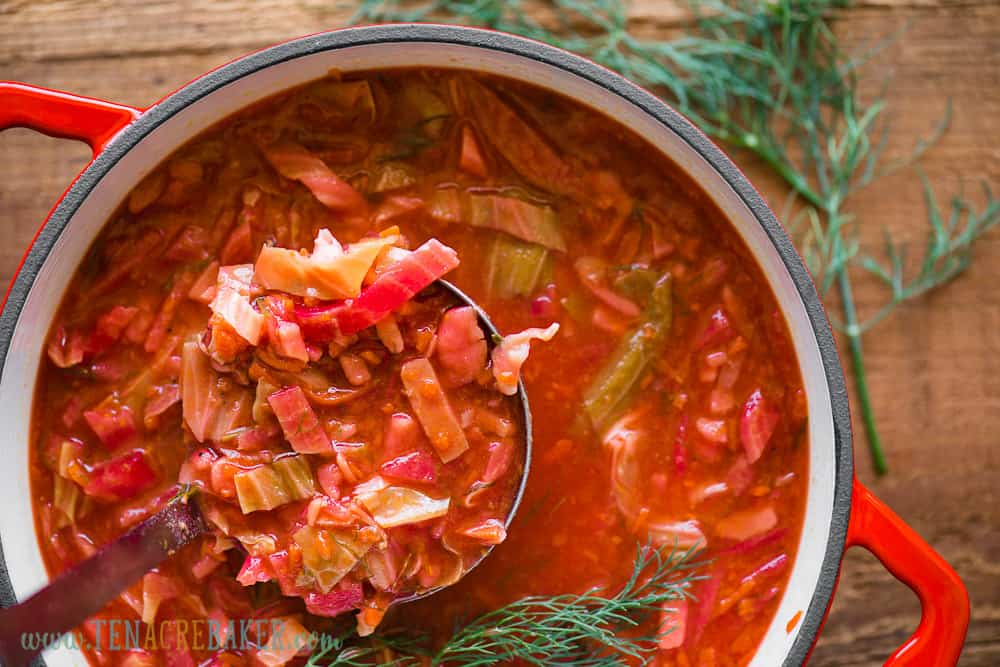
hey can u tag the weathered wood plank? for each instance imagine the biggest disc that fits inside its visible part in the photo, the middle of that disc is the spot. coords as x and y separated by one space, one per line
933 367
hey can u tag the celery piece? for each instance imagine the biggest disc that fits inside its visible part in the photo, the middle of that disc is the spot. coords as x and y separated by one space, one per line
297 476
66 499
261 488
516 268
636 282
614 385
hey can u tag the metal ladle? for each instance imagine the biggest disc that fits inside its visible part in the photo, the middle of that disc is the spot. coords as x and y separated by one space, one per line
84 589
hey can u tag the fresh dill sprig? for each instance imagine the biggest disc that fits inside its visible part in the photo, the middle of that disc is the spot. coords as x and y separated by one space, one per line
947 250
585 630
769 77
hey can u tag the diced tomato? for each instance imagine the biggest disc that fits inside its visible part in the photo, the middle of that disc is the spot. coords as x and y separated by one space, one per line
395 286
717 330
121 478
66 349
757 425
288 342
699 617
256 438
499 462
239 246
190 244
114 424
673 624
402 433
255 570
110 369
283 572
416 466
471 157
345 597
298 421
222 475
164 397
109 328
72 411
330 478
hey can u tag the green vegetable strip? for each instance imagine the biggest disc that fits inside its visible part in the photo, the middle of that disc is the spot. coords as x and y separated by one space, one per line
527 221
515 268
66 498
614 385
297 476
268 486
524 220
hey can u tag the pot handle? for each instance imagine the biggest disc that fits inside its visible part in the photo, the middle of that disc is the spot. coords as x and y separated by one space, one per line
62 115
944 600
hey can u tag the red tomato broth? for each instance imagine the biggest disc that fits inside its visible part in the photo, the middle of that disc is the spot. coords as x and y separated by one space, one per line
570 533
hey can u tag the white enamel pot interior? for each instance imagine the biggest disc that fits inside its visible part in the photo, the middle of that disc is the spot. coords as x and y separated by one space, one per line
165 126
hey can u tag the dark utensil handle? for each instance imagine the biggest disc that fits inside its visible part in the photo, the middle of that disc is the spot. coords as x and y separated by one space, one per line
82 591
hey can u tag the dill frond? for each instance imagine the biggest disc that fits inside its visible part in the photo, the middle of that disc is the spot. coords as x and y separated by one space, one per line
772 78
590 629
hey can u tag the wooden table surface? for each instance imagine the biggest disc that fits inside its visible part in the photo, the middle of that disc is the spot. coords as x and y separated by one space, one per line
934 367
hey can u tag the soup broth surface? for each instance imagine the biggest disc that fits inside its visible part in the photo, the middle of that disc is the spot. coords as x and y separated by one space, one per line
668 409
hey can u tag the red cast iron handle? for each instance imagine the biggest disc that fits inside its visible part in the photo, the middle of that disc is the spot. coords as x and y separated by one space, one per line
943 598
62 115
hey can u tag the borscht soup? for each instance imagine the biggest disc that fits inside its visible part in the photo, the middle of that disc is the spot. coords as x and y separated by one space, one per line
261 324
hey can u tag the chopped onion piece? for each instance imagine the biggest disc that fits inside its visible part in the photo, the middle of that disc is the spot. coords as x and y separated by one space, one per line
232 302
679 534
512 352
757 424
745 524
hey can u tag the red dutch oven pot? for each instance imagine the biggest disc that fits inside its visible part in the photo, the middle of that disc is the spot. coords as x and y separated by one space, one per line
128 142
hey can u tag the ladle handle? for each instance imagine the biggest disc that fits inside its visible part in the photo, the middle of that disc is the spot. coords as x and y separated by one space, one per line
26 629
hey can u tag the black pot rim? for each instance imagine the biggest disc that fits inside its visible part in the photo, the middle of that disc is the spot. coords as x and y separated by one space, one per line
581 67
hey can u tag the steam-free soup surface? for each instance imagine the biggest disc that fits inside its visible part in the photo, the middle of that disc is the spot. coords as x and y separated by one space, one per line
668 409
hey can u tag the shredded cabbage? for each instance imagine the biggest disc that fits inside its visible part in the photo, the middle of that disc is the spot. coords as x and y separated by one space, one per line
398 505
330 272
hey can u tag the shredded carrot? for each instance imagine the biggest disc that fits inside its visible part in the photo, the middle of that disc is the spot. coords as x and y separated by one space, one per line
793 621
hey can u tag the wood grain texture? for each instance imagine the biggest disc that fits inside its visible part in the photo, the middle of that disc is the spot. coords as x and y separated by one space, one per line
934 367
